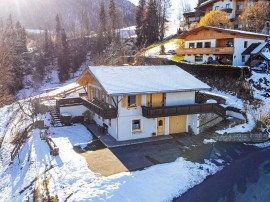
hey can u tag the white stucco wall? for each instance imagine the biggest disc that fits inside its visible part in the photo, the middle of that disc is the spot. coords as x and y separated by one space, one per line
222 5
180 98
148 126
239 49
191 58
193 122
76 110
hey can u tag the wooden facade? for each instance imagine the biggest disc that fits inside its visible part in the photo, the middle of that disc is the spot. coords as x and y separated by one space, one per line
205 33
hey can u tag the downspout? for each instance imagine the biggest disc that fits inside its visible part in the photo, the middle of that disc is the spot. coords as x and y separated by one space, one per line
117 124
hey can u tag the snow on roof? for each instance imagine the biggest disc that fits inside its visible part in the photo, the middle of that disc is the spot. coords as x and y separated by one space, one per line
206 2
259 48
266 55
145 79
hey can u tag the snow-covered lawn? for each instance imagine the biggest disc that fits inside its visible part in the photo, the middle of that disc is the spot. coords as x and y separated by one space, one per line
171 45
68 174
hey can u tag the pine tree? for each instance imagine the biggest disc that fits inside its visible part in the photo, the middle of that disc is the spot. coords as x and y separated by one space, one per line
58 32
113 18
63 58
140 12
20 46
151 23
102 31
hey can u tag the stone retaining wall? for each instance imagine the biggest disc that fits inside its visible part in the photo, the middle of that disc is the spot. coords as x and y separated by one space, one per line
242 137
208 120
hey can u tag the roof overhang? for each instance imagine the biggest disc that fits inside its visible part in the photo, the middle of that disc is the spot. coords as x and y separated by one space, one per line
231 31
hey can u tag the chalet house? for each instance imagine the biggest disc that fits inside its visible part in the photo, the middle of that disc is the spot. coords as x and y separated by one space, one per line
226 46
234 8
141 101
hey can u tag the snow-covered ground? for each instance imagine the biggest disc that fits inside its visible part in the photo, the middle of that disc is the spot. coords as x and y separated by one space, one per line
68 175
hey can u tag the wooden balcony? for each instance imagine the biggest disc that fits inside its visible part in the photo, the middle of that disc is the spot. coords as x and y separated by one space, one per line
194 51
102 109
154 112
227 10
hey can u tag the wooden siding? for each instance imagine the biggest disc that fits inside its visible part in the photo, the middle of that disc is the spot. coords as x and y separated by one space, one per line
157 100
138 100
192 51
148 100
178 124
86 78
125 102
208 33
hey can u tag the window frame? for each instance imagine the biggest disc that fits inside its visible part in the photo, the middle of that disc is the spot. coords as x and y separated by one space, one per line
243 58
207 42
199 43
140 125
129 99
245 44
198 60
190 45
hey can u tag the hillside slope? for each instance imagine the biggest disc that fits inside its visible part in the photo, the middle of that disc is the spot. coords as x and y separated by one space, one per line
40 14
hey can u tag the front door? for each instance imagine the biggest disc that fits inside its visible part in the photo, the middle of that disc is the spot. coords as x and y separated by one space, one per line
178 124
160 126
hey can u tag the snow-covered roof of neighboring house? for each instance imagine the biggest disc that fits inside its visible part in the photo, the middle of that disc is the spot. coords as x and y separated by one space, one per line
234 31
265 55
145 79
206 3
259 48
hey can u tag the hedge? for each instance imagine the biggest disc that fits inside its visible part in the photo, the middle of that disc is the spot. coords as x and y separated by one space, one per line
213 70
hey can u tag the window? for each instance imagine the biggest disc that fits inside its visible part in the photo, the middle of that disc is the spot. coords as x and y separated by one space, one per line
229 44
243 58
240 7
136 124
198 58
191 45
227 6
199 45
238 16
207 44
132 100
160 123
217 8
245 44
110 122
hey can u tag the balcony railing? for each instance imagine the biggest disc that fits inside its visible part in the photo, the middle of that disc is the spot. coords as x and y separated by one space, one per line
227 10
221 50
154 112
101 108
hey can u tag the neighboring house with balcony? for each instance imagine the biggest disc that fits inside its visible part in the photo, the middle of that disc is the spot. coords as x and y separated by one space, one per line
141 101
234 9
205 44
